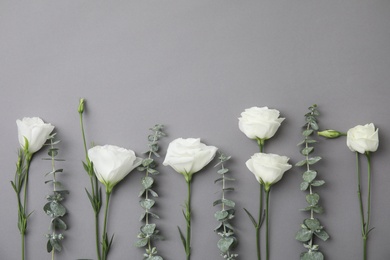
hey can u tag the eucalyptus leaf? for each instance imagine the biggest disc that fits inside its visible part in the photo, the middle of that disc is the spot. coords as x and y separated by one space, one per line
304 185
318 183
147 182
312 255
309 175
301 163
307 132
59 224
229 203
142 242
307 150
57 209
312 199
322 235
225 243
221 215
304 235
312 224
148 229
147 203
313 160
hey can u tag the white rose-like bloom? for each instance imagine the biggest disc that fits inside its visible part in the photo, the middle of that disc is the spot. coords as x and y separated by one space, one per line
35 131
268 168
363 138
188 156
112 163
259 122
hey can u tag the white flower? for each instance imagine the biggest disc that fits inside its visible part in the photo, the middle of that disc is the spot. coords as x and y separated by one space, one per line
268 168
363 138
188 156
112 163
259 122
35 131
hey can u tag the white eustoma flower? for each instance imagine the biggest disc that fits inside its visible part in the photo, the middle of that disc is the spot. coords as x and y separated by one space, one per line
363 138
188 156
268 168
112 163
259 122
35 131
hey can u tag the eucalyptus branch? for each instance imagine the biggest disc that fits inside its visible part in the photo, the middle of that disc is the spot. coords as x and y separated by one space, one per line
311 226
225 229
148 231
54 208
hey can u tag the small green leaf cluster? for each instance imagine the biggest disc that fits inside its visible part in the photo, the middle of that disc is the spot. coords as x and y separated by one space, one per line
148 231
54 207
225 229
311 227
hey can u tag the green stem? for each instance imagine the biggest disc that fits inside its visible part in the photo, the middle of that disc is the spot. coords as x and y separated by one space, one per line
367 230
25 217
267 223
259 222
105 237
360 194
94 189
188 219
260 142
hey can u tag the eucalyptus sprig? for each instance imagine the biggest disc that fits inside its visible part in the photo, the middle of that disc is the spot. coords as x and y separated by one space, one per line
225 229
54 207
148 231
311 226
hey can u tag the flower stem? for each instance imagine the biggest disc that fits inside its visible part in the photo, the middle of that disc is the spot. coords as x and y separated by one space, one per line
105 242
188 219
24 216
266 224
259 222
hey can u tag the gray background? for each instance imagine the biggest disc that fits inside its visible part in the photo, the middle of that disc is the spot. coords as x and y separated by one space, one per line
195 66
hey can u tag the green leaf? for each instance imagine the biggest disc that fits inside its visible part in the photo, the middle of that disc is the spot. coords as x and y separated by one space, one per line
221 215
307 150
304 185
49 248
57 208
309 175
147 182
251 218
312 199
301 163
148 229
322 235
147 162
314 125
147 203
153 193
313 160
229 203
142 242
225 243
312 255
218 180
307 132
303 235
229 189
317 209
318 183
223 171
312 224
59 224
217 202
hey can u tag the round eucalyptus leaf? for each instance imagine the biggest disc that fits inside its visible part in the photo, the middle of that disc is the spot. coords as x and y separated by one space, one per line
147 203
57 209
147 182
312 199
148 229
312 224
303 235
225 243
309 175
221 215
313 255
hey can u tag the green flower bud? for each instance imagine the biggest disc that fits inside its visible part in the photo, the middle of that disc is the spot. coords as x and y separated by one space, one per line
81 105
330 133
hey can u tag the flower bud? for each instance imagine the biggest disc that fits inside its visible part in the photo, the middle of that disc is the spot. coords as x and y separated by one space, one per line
331 133
81 106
